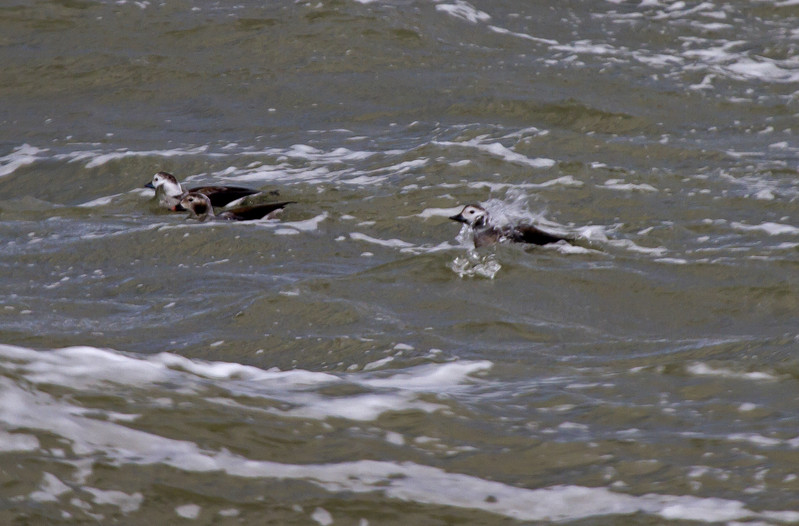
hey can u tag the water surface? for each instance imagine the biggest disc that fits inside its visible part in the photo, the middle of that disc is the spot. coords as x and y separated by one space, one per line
357 362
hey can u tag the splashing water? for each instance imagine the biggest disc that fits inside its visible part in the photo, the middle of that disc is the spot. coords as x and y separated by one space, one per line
472 263
503 212
515 208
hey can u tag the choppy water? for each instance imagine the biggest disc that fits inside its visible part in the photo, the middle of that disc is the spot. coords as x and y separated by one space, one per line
356 362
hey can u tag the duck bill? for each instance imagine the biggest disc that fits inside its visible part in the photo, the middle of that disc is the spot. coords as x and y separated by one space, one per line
150 185
459 218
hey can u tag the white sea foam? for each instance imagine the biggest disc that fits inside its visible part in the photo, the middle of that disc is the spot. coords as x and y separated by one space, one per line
765 194
316 167
618 184
589 47
361 408
399 244
715 57
97 158
593 233
20 156
307 225
90 437
726 58
702 369
309 153
377 364
566 248
672 261
405 481
392 243
498 150
525 36
50 489
127 503
322 516
89 367
426 377
762 70
756 439
439 212
566 180
188 511
406 166
464 11
17 442
164 362
631 246
772 229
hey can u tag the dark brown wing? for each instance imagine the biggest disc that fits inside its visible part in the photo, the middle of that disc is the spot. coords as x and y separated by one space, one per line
222 195
249 213
531 234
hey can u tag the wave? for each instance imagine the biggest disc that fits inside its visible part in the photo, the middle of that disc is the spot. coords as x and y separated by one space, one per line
29 407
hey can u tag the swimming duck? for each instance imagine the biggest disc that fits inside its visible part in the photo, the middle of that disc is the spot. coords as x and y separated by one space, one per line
484 233
169 192
200 207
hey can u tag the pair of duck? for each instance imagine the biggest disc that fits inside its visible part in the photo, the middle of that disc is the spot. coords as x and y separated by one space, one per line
200 202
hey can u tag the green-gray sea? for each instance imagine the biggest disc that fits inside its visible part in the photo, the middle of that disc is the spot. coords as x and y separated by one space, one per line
358 362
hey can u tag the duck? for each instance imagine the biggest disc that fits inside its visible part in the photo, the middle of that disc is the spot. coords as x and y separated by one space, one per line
201 208
484 233
169 192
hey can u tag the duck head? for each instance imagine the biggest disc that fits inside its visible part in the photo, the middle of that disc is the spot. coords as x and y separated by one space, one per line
167 183
198 205
473 215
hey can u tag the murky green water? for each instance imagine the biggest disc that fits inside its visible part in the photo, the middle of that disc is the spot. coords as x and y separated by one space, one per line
357 362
